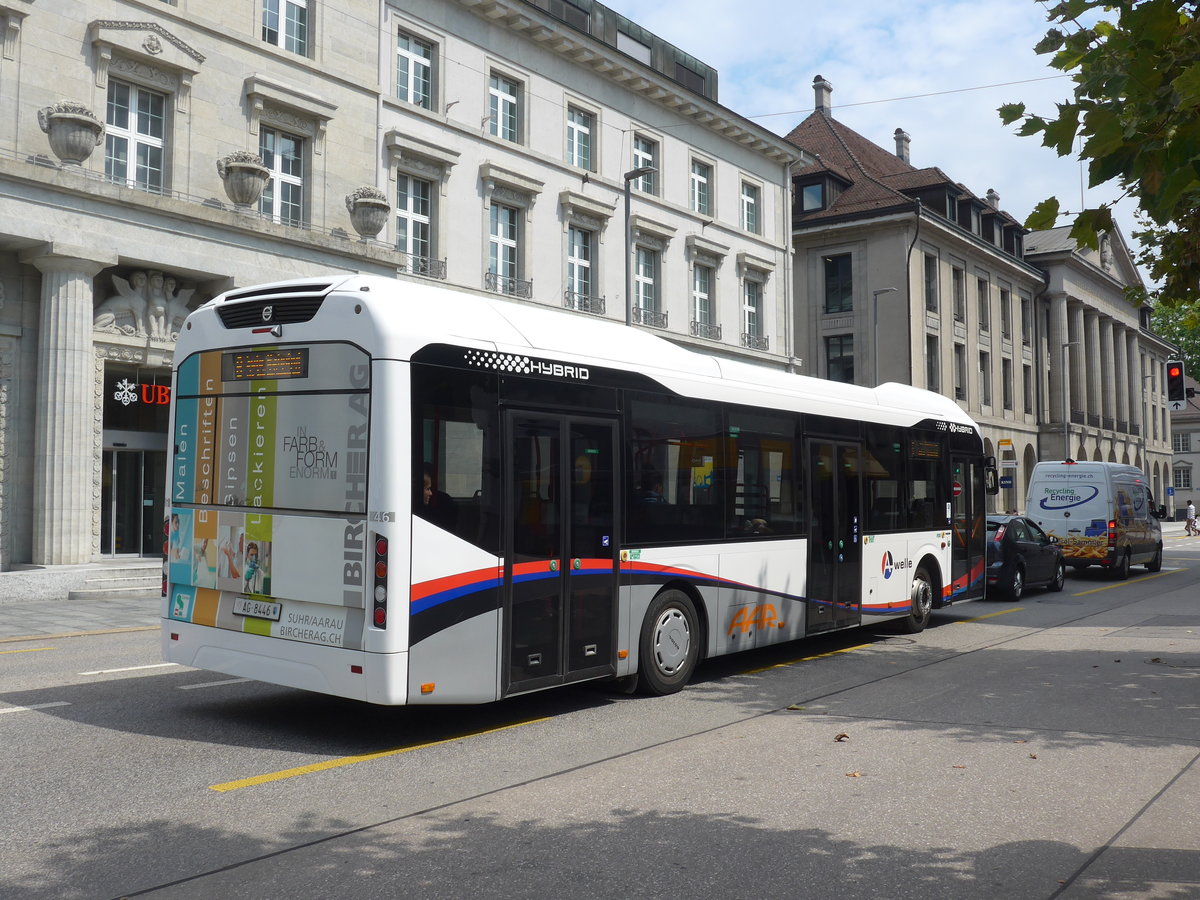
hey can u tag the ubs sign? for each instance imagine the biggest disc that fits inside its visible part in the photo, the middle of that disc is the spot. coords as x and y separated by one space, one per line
128 392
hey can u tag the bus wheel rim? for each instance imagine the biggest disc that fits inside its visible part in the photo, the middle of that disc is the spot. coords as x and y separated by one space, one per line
672 641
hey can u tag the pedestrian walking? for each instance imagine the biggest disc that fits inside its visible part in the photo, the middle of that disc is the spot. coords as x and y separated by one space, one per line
1189 526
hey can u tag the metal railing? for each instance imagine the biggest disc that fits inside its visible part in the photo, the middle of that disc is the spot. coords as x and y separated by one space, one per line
583 303
425 267
705 330
756 341
651 317
506 284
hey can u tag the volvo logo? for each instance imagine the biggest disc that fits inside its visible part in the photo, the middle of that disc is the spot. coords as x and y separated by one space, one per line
268 311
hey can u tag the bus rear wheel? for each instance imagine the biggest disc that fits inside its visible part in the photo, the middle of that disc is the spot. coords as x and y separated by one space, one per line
921 598
670 643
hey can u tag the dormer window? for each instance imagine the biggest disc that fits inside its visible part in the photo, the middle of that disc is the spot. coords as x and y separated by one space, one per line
812 197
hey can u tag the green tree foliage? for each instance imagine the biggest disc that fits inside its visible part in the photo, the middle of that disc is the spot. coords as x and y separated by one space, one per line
1136 106
1180 324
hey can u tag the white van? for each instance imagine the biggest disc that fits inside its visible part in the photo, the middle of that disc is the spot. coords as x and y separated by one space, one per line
1102 514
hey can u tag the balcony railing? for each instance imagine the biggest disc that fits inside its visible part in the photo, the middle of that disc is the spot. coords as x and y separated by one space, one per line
651 317
506 284
756 341
425 267
1093 420
706 330
583 303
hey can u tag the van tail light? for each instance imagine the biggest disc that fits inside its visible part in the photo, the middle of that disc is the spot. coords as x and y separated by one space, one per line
1000 534
1112 534
379 595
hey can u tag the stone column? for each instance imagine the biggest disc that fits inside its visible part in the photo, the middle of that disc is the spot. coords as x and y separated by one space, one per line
1121 378
1078 354
1056 338
1091 357
1134 388
1108 369
65 417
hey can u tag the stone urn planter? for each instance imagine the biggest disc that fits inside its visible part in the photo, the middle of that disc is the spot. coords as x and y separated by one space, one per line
244 177
369 208
72 129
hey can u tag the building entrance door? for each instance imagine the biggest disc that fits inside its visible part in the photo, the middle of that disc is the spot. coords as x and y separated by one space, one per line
131 502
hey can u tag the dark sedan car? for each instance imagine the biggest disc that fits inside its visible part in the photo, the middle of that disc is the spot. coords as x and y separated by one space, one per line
1021 555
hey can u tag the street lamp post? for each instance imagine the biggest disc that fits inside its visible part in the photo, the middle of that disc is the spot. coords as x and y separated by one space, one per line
875 340
631 175
1066 373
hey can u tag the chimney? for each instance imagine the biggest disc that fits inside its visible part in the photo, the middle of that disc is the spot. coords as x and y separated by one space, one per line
993 198
823 92
902 142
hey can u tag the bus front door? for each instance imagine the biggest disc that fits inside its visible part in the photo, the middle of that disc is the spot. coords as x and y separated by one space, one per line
835 536
561 569
966 557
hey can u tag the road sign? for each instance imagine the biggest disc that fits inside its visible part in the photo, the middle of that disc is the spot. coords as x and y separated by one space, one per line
1170 491
1176 405
956 488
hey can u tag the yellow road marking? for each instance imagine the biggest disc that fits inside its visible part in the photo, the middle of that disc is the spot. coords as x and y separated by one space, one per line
27 650
792 662
1109 587
363 757
991 615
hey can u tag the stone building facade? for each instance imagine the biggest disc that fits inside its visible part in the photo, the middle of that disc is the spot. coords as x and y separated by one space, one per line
157 152
903 274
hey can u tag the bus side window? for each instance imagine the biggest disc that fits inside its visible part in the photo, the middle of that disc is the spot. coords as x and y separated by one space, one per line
761 457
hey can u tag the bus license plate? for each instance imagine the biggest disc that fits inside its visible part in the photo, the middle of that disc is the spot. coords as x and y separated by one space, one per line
259 609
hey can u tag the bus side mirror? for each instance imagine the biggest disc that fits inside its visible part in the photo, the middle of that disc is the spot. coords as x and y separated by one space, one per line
991 479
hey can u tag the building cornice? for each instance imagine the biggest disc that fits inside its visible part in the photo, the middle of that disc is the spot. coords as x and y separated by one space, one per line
585 51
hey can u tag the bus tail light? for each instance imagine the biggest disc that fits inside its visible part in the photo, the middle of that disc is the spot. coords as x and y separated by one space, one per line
379 614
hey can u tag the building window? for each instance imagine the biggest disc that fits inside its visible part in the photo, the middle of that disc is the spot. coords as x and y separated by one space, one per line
414 70
579 138
750 205
285 24
579 261
958 284
984 304
135 136
503 247
414 218
960 372
1181 442
1027 383
985 378
1006 378
504 96
752 301
1026 321
839 284
702 295
933 364
283 197
645 154
1006 314
701 185
645 279
812 196
839 358
1183 479
931 282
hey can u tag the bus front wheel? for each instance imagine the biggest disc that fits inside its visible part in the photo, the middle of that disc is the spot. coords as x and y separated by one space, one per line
921 598
670 643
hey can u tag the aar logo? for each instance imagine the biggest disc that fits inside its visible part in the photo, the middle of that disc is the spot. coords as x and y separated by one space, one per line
889 564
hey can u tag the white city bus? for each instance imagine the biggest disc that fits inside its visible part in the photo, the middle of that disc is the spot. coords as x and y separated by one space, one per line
402 493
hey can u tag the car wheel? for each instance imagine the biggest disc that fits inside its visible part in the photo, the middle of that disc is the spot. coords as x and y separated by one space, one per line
1016 584
670 644
1060 576
1155 564
1121 570
921 598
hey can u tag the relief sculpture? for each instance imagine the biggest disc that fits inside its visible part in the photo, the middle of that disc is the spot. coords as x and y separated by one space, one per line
148 304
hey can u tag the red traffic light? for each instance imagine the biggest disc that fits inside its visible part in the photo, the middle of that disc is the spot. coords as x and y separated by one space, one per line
1174 371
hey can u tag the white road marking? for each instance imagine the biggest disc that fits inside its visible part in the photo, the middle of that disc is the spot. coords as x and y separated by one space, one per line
129 669
192 687
9 709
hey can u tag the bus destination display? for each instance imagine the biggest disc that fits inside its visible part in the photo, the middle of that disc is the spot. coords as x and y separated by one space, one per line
248 365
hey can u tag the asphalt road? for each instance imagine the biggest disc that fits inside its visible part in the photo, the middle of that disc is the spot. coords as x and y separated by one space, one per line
1043 749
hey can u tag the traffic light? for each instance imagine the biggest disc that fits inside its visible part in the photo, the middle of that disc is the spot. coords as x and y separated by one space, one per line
1175 387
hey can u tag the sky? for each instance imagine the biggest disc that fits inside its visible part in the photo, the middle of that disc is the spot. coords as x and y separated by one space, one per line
896 65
